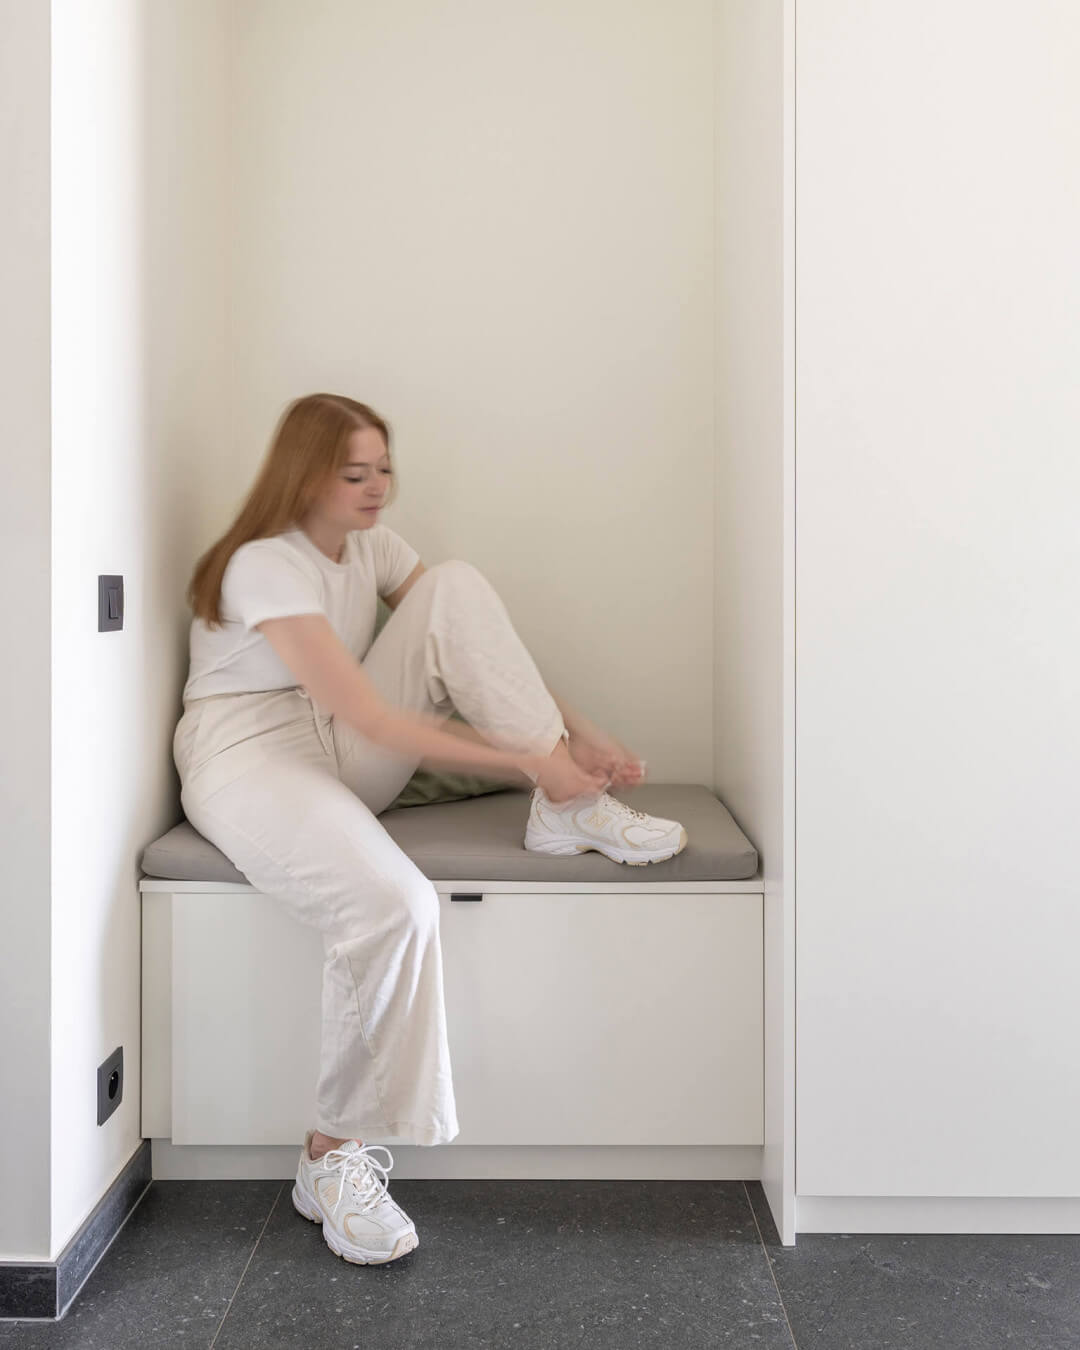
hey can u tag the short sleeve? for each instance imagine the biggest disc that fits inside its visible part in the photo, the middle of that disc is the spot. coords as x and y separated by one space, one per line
262 583
394 559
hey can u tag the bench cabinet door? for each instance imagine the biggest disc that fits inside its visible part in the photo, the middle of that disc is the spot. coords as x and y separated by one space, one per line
572 1018
605 1018
246 1012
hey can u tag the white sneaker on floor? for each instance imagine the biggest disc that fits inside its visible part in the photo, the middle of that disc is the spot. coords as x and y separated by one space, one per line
343 1191
602 823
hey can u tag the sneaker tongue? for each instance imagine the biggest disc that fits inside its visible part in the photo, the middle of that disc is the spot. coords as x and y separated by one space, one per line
349 1146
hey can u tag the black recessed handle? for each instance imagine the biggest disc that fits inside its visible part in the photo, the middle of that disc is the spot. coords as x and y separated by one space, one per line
466 895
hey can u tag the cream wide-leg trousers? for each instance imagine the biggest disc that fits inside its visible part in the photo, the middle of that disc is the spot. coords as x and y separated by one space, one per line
291 794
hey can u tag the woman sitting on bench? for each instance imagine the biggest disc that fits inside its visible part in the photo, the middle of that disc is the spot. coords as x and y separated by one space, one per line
298 730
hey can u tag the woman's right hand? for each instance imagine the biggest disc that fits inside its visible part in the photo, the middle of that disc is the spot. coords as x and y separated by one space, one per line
563 778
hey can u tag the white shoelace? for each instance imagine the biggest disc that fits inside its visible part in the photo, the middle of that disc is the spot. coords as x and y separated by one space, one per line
622 807
612 803
357 1169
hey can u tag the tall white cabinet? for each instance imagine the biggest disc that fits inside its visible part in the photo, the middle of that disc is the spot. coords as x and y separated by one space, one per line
937 616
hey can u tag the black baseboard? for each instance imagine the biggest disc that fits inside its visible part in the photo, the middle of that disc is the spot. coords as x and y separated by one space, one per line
46 1289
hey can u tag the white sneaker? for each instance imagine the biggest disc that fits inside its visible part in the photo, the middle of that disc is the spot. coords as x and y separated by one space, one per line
600 822
341 1191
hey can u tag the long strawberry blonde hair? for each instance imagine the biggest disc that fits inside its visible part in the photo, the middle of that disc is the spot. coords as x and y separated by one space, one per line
309 446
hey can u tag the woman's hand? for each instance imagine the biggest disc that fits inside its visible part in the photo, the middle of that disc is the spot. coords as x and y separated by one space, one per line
597 752
562 778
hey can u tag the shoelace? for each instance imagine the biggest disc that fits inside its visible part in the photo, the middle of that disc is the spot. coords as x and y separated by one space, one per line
621 807
611 802
357 1169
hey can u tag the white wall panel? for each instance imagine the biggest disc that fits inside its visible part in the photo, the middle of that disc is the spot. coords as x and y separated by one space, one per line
938 632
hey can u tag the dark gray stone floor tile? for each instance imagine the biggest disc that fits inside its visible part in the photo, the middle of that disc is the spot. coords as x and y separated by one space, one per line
167 1278
537 1265
906 1291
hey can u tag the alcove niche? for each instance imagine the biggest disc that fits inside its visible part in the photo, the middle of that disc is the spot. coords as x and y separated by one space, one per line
552 248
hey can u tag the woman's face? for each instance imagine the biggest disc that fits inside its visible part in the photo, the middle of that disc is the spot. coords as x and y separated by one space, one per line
352 500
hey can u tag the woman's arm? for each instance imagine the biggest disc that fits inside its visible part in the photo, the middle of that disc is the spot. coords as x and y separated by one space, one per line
338 683
467 732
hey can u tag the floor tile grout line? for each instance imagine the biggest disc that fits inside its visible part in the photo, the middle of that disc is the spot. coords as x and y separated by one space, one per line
768 1262
247 1263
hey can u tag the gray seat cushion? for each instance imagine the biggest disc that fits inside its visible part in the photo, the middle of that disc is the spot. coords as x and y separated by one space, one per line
482 839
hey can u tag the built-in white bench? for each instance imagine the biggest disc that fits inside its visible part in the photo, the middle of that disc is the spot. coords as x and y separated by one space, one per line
603 1019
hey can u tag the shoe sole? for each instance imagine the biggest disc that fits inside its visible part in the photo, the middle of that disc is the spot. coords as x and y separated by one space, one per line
406 1243
566 847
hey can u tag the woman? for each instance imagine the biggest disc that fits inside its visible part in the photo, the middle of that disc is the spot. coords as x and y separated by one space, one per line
298 730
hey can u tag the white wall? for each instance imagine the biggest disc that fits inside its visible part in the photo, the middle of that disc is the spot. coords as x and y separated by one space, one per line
938 625
495 224
24 672
751 696
138 401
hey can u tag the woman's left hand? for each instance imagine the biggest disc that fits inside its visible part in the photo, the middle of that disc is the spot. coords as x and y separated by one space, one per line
595 749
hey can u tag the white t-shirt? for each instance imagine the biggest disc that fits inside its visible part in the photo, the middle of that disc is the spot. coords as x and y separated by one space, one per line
288 574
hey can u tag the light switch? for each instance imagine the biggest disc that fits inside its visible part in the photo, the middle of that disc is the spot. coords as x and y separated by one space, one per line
110 603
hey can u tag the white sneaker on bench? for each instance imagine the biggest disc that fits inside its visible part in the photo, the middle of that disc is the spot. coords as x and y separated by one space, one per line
342 1191
604 824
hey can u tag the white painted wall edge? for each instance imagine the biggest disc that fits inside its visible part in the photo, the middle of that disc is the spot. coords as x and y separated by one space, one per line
778 1161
